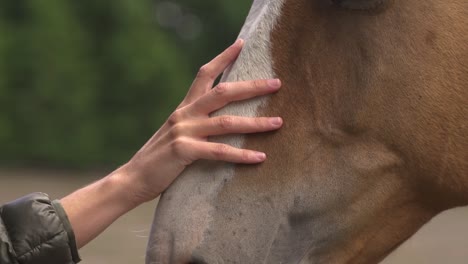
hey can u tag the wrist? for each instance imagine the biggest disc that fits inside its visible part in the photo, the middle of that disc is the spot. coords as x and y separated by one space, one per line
129 186
93 208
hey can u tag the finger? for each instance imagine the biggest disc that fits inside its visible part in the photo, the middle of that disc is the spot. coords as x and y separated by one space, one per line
223 152
224 93
210 71
223 125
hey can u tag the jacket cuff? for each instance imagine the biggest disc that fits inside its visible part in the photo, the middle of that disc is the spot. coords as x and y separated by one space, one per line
68 228
39 231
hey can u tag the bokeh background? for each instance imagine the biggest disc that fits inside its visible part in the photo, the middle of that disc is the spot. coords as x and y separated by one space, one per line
83 84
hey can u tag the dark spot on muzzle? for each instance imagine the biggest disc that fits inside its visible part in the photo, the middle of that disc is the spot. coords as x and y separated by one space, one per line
197 260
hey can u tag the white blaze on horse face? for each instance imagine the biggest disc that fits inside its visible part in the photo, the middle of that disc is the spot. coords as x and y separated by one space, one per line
255 60
175 234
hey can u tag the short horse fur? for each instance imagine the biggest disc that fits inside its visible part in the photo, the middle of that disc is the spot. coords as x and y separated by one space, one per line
374 145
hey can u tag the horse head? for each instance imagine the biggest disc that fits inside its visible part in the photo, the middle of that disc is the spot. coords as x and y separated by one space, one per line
374 143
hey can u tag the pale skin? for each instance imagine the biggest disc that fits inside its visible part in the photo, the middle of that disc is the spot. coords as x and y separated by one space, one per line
181 140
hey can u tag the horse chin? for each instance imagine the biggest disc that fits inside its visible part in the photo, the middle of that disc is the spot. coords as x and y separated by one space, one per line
362 5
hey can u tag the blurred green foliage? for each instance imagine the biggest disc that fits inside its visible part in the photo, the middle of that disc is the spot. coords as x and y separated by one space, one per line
86 83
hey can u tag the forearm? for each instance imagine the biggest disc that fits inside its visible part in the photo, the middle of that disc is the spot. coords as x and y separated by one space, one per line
93 208
182 140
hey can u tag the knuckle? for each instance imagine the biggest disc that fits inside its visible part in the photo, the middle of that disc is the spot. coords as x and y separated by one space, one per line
257 84
226 122
204 71
177 130
221 151
175 118
245 155
261 122
179 146
220 89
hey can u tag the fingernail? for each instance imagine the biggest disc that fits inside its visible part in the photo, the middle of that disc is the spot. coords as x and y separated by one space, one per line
274 83
260 156
276 121
238 42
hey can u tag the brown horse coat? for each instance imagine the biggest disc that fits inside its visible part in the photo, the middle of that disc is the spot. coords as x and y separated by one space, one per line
375 141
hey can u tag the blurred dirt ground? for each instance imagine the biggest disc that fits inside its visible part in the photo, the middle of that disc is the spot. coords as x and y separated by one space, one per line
444 240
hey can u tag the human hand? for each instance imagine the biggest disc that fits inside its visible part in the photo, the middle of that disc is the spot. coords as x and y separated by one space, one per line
183 138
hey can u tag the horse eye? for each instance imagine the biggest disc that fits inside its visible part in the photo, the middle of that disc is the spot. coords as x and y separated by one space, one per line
360 4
